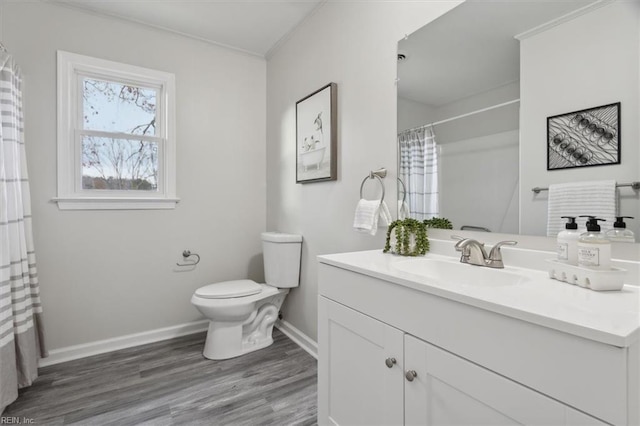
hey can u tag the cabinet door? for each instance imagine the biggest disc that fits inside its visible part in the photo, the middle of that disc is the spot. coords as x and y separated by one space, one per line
451 390
355 385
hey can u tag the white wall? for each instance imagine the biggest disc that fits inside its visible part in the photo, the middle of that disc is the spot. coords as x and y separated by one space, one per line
413 114
589 61
479 182
354 45
478 157
110 273
486 123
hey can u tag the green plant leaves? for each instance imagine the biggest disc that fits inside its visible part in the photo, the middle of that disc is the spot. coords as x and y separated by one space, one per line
411 237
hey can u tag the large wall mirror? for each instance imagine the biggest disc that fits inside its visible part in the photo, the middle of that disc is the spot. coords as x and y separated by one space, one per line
475 89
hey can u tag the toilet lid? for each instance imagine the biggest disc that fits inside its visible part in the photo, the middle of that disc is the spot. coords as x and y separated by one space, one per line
229 289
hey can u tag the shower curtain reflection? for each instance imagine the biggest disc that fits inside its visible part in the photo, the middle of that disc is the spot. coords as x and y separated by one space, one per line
419 171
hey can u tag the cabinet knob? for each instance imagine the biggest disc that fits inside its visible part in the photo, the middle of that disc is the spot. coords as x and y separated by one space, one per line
410 375
390 362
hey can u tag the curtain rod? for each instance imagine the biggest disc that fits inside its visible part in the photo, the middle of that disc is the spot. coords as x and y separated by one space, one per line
634 185
446 120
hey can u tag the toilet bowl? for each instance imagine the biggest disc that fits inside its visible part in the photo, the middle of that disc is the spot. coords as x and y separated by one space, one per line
242 313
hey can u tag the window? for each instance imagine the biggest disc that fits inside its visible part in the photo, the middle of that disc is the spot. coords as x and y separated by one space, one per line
116 137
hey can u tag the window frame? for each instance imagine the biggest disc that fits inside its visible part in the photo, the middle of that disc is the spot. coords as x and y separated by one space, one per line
72 69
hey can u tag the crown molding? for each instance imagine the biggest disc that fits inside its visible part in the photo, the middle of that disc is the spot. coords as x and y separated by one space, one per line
562 19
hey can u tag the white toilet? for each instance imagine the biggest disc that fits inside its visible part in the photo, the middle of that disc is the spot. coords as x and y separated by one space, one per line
241 313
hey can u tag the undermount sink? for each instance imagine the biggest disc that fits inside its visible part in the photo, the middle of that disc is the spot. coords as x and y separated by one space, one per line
450 271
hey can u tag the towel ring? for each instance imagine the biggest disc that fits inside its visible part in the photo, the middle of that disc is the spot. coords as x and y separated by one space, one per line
404 190
371 177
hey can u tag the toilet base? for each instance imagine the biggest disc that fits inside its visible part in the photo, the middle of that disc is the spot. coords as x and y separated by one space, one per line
215 350
231 339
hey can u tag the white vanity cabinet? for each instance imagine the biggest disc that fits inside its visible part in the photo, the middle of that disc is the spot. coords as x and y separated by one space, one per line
373 374
362 368
471 365
447 389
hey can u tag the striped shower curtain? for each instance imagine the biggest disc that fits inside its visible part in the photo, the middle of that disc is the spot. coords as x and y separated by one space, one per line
21 334
419 171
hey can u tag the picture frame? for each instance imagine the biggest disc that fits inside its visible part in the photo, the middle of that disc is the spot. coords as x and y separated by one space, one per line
317 136
584 138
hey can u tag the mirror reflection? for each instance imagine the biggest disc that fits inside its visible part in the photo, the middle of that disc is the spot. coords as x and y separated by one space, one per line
475 89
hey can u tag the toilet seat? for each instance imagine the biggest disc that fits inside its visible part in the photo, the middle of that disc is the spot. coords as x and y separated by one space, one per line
229 289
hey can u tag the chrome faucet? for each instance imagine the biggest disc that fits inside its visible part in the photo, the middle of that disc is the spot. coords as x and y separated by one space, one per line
473 252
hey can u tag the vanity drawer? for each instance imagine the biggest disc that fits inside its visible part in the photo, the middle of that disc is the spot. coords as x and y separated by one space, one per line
582 373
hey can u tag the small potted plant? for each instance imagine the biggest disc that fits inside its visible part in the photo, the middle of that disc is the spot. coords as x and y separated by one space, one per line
407 237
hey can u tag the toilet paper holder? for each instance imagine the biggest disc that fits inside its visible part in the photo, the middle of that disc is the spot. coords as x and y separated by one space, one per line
187 254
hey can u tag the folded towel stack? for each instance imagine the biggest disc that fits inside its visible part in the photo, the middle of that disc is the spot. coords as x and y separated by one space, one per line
595 198
368 212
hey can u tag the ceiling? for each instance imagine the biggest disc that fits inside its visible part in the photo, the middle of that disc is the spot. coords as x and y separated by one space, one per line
472 49
251 26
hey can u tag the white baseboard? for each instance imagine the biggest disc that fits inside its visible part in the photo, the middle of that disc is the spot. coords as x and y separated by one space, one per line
70 353
301 339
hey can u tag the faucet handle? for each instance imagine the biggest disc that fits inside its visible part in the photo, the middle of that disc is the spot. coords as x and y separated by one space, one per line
459 240
466 243
495 253
473 251
463 244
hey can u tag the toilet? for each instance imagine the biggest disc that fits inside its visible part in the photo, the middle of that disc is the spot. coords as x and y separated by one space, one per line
242 313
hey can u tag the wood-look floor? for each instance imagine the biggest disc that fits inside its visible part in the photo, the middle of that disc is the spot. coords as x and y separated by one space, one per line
171 383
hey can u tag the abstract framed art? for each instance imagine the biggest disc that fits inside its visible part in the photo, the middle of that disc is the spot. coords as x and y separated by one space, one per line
589 137
316 136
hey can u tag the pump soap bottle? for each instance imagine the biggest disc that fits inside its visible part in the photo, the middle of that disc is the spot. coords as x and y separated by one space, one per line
568 242
619 234
594 249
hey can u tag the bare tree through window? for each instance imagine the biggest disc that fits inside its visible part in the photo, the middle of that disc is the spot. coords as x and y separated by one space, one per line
119 150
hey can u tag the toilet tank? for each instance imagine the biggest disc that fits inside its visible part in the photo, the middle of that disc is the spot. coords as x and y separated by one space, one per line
281 259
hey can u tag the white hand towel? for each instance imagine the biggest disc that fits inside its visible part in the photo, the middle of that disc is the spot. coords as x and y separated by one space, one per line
366 217
594 198
385 214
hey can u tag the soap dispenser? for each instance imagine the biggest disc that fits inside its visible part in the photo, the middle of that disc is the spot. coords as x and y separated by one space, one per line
594 249
619 233
568 242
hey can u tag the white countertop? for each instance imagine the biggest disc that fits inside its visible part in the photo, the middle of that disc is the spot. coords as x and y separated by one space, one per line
608 317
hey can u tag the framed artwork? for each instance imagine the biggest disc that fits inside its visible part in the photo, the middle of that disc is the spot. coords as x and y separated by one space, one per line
589 137
317 136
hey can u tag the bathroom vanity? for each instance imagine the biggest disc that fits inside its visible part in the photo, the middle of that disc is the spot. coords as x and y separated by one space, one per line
431 341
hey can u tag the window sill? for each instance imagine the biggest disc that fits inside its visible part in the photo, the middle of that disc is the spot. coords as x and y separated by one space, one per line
121 203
